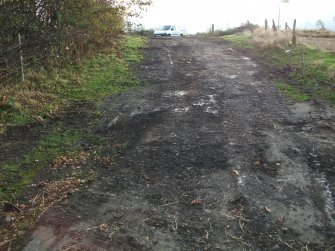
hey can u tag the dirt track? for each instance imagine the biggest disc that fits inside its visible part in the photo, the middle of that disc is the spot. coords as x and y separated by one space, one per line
210 158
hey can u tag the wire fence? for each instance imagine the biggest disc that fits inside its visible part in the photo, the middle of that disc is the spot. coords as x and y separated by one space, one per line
28 52
25 53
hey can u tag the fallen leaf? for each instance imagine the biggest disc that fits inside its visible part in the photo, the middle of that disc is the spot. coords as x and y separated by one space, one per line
235 173
196 202
103 227
4 100
39 119
257 162
13 226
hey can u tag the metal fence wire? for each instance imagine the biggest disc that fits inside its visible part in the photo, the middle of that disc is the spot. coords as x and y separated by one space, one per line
25 53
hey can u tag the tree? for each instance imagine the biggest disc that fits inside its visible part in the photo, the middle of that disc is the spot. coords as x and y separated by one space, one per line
63 23
54 31
320 24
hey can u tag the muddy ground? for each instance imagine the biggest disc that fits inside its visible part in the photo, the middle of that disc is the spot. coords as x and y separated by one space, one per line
210 157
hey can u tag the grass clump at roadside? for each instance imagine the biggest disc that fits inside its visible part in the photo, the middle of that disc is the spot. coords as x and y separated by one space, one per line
291 92
307 72
67 153
47 94
46 91
144 32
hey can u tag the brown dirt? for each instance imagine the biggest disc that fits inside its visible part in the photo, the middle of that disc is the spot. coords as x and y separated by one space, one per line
210 157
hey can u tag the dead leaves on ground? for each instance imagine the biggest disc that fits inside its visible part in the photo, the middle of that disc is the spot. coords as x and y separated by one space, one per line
49 192
105 160
66 161
196 202
79 161
4 100
17 218
54 191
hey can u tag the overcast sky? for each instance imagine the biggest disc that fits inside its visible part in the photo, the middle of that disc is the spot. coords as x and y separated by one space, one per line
198 15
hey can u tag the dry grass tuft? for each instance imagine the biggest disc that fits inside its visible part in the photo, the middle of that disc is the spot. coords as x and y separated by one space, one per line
27 97
66 161
269 39
54 191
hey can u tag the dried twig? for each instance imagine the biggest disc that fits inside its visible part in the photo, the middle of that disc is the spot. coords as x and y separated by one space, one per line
229 216
288 245
168 204
240 239
207 234
281 188
43 199
258 180
69 247
12 207
210 224
33 201
63 210
102 226
9 246
241 223
175 226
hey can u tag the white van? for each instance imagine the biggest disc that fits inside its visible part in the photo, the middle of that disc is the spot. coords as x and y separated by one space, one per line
168 30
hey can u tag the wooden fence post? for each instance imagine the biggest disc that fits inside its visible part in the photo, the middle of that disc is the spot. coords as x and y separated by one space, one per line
274 28
21 59
266 24
294 37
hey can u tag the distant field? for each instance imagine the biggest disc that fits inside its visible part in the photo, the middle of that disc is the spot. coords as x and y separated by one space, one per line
320 39
319 43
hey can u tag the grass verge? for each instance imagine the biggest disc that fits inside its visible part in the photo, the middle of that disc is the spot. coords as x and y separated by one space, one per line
292 92
96 77
66 156
48 90
308 73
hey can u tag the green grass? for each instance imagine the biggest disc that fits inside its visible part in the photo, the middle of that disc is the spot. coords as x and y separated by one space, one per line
312 71
242 40
88 81
100 75
144 32
292 92
18 174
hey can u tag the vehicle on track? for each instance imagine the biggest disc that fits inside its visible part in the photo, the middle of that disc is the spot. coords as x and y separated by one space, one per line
168 30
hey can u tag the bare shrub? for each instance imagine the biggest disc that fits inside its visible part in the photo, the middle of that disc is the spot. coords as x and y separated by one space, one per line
269 39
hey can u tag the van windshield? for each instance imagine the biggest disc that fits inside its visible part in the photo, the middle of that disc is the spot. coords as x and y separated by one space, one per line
165 27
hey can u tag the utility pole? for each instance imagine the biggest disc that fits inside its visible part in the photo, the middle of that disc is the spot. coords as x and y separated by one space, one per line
281 1
279 18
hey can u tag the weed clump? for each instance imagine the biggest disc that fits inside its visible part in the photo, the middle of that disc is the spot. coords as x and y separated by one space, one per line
270 40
